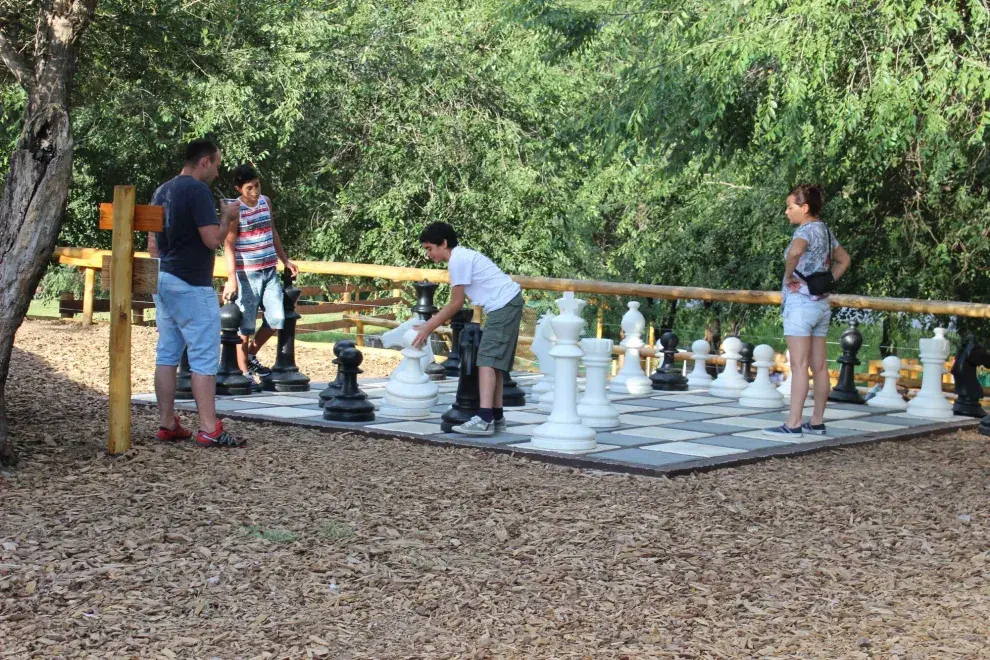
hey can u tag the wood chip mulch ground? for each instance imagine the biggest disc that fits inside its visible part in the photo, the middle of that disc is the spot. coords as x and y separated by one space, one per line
330 545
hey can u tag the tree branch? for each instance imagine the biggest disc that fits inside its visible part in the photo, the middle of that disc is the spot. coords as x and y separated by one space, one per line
15 62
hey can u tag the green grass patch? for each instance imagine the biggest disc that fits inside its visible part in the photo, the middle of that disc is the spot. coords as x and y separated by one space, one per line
274 535
336 530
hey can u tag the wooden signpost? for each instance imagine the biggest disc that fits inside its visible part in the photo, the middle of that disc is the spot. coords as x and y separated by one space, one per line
126 276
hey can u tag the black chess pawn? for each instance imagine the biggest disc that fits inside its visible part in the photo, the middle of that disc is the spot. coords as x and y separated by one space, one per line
985 425
668 377
845 389
453 363
746 362
425 308
513 396
183 378
968 387
351 404
286 376
467 401
334 388
230 379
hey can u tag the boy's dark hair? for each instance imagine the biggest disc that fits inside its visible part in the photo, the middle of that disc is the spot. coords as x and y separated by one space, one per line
810 194
199 149
243 174
437 233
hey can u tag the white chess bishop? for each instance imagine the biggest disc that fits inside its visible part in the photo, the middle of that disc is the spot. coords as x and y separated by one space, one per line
729 384
631 379
409 393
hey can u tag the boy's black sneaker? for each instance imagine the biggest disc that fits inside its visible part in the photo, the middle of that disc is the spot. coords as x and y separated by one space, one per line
255 367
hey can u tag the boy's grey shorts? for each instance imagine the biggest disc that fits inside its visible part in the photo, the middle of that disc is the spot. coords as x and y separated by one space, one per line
500 336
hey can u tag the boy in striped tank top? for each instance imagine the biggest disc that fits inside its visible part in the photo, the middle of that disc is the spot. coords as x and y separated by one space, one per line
253 249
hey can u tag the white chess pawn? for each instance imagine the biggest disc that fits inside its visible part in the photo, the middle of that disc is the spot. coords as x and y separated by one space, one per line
931 402
631 379
595 410
543 341
699 379
785 387
889 397
564 430
761 393
729 384
410 394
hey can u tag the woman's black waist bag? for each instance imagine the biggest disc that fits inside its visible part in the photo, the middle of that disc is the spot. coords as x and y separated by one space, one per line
821 282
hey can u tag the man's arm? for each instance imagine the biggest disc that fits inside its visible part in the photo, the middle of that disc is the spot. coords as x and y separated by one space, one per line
213 235
441 317
229 244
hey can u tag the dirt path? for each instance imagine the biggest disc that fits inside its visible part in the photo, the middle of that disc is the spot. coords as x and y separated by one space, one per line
336 546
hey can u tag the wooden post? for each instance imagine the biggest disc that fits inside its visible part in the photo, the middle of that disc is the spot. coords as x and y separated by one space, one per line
359 328
600 323
651 338
63 309
120 320
89 289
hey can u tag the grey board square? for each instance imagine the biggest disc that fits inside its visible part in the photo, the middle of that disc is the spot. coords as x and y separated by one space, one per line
899 420
353 425
776 419
659 404
643 456
312 395
233 406
497 439
738 442
711 427
685 415
607 438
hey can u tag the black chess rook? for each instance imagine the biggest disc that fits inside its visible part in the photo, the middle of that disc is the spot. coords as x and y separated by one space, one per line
425 308
452 366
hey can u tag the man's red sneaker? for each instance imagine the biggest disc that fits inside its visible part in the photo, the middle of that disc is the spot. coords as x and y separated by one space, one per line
219 438
173 435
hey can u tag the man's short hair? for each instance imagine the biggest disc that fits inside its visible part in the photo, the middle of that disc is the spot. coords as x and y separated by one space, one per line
199 149
243 174
437 233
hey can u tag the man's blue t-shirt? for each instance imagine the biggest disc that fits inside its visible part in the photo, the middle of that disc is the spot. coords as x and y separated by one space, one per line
188 205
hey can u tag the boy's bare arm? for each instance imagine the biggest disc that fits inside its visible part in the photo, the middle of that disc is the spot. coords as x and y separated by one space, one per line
445 314
229 245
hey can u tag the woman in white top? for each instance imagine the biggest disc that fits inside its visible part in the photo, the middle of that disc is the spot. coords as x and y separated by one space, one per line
813 249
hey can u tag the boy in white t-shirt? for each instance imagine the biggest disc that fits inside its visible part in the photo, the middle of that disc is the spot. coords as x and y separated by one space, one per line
472 274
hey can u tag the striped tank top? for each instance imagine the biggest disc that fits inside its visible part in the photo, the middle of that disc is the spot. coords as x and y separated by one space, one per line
255 247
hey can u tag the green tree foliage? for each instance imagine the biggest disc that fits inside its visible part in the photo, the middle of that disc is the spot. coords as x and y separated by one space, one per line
632 140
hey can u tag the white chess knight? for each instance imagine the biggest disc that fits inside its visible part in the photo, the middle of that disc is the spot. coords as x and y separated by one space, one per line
595 410
564 430
729 384
394 338
409 393
785 387
889 398
699 379
761 393
631 379
931 402
543 339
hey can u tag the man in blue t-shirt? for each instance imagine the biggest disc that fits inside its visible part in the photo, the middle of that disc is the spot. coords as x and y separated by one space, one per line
186 309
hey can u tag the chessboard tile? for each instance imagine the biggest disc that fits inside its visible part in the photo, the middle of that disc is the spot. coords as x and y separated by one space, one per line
274 399
524 416
662 433
739 442
637 456
284 412
414 427
576 452
721 410
743 422
645 420
694 449
659 403
860 425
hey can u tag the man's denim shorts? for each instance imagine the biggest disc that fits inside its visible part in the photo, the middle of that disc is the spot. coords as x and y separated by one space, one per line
804 317
187 316
259 287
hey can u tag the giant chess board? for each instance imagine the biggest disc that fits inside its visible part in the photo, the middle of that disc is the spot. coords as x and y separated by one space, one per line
660 433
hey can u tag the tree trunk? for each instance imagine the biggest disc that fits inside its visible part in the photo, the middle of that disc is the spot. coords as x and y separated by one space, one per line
37 184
